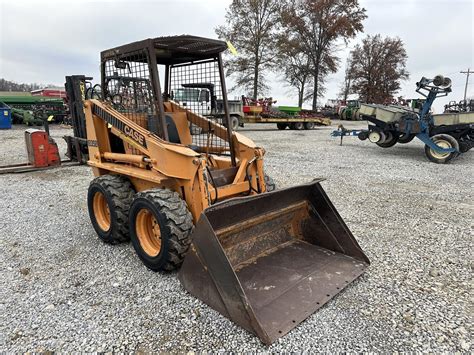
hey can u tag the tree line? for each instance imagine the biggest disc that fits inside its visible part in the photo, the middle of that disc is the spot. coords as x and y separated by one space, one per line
300 40
6 85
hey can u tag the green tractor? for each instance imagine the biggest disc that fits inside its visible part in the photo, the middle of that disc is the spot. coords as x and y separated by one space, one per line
351 111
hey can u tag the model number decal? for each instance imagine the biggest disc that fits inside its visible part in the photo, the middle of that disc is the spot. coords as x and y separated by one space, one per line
136 136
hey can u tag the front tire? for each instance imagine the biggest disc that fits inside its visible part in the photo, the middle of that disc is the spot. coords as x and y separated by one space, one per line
160 228
443 141
108 201
282 126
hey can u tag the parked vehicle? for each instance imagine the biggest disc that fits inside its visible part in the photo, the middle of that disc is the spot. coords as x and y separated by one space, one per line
201 97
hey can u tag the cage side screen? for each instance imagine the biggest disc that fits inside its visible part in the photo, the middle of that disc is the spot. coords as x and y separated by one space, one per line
197 88
128 87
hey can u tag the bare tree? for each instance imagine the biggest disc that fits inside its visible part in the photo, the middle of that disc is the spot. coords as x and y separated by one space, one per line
346 85
378 67
250 26
294 67
318 25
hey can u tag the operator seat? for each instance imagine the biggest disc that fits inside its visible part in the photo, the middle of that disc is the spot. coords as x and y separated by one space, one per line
178 129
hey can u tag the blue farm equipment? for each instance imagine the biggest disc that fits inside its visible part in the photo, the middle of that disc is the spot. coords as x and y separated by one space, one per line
445 135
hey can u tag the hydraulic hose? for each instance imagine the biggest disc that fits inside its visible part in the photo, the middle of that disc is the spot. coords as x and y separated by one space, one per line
248 177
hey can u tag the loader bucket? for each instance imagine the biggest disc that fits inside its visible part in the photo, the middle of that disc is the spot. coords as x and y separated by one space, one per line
269 261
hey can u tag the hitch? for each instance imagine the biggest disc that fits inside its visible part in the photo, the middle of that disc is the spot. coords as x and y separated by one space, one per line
341 131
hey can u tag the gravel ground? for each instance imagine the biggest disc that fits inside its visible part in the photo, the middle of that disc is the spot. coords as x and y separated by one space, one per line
61 289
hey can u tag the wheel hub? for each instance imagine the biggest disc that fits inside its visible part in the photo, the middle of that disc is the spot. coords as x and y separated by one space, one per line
101 211
442 144
148 232
374 137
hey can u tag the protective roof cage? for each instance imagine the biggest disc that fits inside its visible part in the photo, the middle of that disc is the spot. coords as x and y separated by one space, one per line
193 77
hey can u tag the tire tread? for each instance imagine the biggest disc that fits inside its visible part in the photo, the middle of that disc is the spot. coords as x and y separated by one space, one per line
122 193
179 223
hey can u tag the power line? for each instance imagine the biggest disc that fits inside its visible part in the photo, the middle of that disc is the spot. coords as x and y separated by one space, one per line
467 80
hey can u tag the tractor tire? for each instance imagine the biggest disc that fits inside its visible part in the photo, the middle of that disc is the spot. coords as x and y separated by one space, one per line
444 141
270 183
160 228
390 140
108 201
308 125
235 122
298 126
342 114
355 115
282 126
403 139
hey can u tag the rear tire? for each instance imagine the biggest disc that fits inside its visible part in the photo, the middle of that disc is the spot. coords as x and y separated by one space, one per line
390 140
342 114
308 125
108 200
235 122
160 228
403 139
444 141
297 126
281 126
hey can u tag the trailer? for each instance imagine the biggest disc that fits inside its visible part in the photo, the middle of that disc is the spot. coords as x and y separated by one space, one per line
291 122
445 135
201 97
292 117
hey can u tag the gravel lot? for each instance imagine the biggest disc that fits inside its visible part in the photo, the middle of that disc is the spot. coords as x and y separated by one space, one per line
61 289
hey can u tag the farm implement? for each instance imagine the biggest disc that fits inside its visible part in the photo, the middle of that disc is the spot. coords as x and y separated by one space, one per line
445 135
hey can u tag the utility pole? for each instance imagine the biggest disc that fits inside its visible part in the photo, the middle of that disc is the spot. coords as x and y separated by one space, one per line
467 80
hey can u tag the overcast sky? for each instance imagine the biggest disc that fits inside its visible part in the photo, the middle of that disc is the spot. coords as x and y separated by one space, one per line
42 41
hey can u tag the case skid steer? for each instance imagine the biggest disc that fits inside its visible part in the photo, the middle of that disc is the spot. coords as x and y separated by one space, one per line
192 194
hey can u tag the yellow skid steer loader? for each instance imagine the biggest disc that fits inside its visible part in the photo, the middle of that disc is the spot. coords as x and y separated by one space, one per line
190 193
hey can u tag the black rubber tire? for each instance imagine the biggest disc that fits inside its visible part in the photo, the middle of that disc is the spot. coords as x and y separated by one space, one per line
118 192
235 122
448 140
308 125
342 114
298 126
176 225
390 140
403 139
363 135
270 183
282 126
355 116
